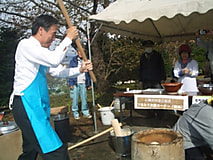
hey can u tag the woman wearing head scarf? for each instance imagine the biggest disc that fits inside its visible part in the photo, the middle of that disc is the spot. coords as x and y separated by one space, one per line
186 70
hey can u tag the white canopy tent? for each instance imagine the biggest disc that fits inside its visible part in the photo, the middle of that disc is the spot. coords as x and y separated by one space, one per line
157 20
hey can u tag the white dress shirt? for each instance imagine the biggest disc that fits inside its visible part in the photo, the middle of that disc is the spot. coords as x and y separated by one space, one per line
30 55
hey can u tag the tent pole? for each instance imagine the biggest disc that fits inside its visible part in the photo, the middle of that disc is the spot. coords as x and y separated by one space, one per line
92 84
96 32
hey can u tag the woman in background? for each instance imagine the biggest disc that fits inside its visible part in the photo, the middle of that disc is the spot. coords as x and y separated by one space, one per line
186 70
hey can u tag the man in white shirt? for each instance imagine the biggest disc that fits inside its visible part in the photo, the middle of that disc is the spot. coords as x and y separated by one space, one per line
31 107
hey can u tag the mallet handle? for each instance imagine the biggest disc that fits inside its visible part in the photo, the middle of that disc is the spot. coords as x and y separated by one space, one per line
64 11
91 138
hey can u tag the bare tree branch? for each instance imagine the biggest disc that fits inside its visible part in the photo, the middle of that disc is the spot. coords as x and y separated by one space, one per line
16 14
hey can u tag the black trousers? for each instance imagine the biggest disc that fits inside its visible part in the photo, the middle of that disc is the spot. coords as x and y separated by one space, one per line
194 154
30 146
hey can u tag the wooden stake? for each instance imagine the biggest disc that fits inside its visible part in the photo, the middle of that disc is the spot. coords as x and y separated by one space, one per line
64 11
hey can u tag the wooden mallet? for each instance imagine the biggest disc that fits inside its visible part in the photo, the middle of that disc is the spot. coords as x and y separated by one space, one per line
93 137
64 11
117 128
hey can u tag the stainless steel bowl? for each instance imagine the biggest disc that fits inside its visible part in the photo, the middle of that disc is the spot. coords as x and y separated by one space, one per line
206 89
8 127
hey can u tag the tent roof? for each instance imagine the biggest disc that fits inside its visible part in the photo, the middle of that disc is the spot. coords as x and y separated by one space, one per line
157 20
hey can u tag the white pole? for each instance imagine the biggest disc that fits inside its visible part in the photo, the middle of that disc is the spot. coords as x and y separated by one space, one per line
93 96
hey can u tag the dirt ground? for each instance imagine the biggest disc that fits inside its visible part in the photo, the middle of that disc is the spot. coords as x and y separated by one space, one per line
101 147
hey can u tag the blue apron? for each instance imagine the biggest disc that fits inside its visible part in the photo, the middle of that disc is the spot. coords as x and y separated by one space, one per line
37 106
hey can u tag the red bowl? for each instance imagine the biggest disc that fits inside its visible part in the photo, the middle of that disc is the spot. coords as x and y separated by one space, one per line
171 87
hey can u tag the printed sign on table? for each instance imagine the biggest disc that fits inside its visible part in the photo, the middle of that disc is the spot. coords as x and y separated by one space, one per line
168 102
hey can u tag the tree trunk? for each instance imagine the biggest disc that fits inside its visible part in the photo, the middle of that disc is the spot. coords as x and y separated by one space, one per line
99 66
